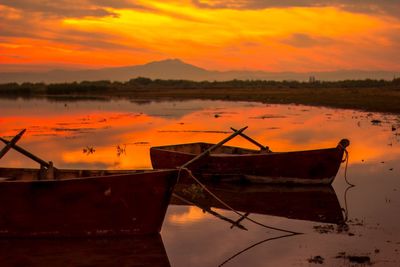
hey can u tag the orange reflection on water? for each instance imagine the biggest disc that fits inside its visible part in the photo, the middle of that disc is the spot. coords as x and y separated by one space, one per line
61 135
192 214
68 124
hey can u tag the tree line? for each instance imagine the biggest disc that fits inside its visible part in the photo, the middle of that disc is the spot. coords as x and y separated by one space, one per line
141 83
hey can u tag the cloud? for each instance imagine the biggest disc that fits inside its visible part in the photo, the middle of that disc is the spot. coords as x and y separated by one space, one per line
383 7
11 56
70 8
306 41
16 26
94 40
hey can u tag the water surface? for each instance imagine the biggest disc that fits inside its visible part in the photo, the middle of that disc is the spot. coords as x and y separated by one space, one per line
118 134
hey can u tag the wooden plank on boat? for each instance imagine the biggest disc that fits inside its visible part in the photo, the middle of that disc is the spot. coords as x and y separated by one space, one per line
11 143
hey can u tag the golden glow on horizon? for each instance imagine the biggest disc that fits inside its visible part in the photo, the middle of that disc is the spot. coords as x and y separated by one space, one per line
274 39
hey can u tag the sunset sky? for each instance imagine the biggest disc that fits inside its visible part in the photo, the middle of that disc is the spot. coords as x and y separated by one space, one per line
288 35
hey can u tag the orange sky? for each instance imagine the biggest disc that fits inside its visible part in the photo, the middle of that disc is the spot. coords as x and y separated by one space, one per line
290 35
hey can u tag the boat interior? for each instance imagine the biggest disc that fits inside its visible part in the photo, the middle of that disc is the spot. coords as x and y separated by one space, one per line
198 148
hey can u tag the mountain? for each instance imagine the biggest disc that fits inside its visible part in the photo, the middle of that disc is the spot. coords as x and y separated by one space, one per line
177 69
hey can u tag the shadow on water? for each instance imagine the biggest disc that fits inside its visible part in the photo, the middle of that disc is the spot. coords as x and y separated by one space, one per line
310 203
254 245
141 251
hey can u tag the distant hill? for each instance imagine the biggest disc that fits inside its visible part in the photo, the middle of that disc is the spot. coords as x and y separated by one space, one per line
177 69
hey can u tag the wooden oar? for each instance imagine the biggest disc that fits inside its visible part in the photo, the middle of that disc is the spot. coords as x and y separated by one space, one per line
11 143
206 152
27 153
248 138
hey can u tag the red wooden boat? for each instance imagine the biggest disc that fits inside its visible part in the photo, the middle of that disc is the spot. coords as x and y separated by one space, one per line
83 202
227 163
310 203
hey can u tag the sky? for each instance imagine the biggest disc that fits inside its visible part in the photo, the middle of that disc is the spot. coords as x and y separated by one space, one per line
287 35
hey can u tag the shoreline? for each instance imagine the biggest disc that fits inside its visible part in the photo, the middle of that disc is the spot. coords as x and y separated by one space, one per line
367 95
386 100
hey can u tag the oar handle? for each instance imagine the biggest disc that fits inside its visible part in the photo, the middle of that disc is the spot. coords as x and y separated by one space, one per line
248 138
206 152
11 143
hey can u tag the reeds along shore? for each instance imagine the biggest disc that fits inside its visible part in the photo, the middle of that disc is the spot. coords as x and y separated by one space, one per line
370 95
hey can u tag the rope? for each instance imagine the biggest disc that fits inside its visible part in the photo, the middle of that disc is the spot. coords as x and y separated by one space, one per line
346 210
229 207
346 159
254 245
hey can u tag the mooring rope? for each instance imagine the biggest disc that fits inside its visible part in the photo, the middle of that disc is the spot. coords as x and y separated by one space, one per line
346 159
346 210
254 245
229 207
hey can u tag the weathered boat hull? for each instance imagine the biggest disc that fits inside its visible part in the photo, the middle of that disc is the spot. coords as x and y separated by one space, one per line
310 203
98 203
237 164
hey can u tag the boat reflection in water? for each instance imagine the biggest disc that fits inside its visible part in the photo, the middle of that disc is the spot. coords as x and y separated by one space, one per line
141 250
310 203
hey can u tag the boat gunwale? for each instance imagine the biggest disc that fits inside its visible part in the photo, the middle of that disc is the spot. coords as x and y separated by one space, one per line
111 175
256 152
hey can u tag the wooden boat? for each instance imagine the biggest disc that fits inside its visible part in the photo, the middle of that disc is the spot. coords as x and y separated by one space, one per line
311 203
227 163
140 250
55 202
83 202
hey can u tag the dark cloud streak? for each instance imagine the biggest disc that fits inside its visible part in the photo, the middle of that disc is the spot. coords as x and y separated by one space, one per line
301 40
38 19
381 7
79 39
70 8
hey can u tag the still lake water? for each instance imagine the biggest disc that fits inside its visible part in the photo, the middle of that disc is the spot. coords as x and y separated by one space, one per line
118 134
